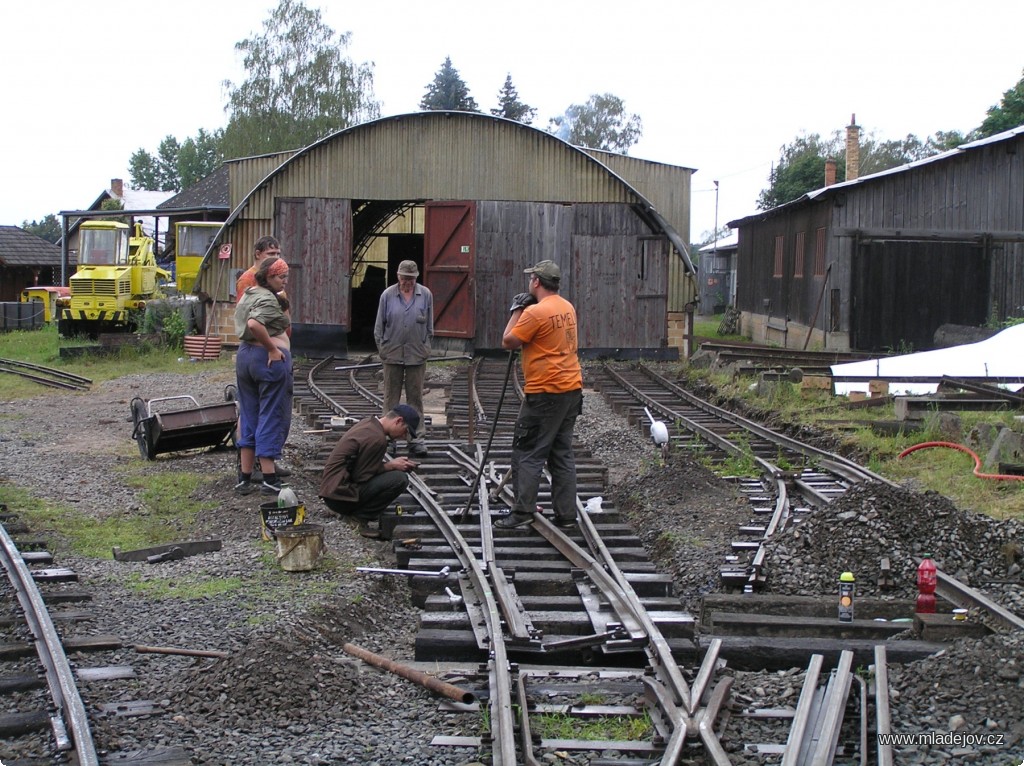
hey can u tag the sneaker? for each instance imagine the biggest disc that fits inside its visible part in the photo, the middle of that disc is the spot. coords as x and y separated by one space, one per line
283 472
566 523
513 520
245 487
270 489
417 450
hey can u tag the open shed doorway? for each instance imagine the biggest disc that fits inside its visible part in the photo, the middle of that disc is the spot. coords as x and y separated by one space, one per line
366 297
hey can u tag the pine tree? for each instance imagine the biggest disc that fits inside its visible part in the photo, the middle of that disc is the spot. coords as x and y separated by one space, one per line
448 92
510 107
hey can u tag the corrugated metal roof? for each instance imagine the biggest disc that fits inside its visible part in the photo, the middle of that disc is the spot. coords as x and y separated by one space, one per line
941 157
439 156
733 240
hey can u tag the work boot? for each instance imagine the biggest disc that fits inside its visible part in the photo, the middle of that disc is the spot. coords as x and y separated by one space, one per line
513 520
365 530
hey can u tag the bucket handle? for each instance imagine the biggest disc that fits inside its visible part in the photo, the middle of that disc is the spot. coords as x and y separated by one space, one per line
295 544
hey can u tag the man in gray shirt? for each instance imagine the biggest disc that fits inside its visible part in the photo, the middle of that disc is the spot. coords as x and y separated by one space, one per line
404 327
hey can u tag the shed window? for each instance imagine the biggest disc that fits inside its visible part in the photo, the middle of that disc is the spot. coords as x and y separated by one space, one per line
780 242
798 255
819 252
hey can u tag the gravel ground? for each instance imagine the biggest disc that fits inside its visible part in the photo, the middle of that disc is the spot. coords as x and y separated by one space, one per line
288 694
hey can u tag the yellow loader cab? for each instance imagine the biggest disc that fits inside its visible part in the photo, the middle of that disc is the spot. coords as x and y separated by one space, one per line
117 274
191 241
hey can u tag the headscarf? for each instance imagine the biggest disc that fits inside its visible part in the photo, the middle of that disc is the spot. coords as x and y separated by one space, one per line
277 267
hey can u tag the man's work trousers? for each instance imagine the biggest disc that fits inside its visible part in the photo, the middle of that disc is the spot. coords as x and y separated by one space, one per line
375 496
543 434
411 377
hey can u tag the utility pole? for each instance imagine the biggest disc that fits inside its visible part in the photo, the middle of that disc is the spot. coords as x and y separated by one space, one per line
714 249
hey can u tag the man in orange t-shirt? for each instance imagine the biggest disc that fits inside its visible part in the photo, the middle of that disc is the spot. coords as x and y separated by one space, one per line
266 247
543 325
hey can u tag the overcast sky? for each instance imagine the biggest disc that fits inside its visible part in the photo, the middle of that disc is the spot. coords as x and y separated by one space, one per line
720 86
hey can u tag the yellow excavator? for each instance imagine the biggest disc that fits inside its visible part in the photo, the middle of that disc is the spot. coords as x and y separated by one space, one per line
117 275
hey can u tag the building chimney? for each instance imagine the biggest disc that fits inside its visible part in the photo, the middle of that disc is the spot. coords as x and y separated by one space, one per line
117 187
852 149
830 172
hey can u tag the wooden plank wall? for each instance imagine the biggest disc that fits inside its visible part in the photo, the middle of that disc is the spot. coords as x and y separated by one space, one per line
599 248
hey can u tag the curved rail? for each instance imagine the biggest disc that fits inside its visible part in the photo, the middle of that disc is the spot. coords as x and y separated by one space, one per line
506 623
47 376
818 491
69 722
837 463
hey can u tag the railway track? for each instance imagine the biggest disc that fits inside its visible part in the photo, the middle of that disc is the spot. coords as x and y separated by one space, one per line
783 479
47 376
752 358
575 615
48 716
64 713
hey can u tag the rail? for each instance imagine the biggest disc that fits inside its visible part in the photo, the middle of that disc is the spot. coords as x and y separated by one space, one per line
69 721
47 376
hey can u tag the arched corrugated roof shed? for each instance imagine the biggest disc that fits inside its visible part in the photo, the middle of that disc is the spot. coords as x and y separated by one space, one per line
443 156
526 195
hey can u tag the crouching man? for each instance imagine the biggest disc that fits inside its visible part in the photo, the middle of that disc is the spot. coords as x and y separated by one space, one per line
357 483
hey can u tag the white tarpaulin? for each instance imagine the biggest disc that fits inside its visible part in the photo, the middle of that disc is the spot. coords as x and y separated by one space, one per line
1001 356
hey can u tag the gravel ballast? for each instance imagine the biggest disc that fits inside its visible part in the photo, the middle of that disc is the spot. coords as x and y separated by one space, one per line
287 693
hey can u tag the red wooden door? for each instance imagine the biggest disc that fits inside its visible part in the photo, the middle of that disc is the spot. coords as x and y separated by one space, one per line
449 252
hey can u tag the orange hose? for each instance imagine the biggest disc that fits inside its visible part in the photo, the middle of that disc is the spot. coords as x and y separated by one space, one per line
962 448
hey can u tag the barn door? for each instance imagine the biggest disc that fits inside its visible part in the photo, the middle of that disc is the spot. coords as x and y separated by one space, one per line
316 240
449 252
903 291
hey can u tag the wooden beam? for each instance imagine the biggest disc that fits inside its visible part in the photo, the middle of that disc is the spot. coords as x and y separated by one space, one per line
931 235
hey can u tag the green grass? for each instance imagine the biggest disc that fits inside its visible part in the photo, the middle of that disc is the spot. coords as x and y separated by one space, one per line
43 346
708 328
187 588
166 515
619 728
946 471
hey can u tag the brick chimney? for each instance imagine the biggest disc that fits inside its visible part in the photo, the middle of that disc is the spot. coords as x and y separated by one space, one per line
830 172
852 149
117 187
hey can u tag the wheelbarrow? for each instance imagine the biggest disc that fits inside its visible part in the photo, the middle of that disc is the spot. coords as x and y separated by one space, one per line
187 425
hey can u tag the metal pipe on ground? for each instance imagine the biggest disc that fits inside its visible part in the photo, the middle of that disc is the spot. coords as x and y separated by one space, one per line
217 655
435 685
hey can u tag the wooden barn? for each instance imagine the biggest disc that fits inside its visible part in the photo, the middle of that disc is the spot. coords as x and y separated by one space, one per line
880 262
26 261
474 200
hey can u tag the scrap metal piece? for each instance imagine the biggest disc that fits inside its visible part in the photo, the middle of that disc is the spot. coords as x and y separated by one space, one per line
187 548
